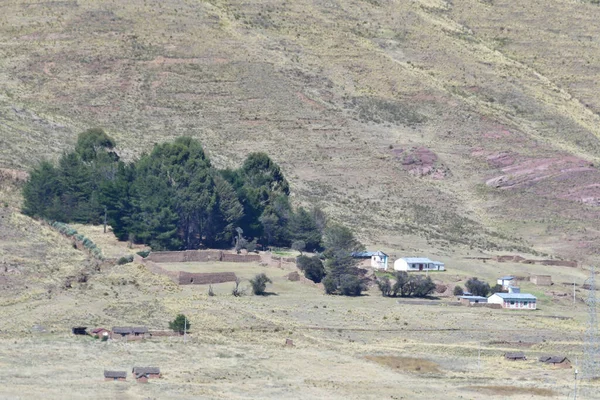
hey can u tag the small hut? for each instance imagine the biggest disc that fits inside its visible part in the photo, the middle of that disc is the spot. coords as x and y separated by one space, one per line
515 356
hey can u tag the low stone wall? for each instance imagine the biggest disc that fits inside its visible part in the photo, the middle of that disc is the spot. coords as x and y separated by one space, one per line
227 257
157 269
519 259
188 278
185 256
541 280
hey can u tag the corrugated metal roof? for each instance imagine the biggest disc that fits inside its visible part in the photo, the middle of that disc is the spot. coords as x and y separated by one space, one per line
115 374
507 278
515 296
473 297
417 260
368 254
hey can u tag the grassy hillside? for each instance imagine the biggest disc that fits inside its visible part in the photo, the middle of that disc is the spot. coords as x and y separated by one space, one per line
423 124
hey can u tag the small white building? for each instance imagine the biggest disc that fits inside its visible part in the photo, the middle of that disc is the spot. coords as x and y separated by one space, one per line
410 264
468 300
506 281
516 301
379 260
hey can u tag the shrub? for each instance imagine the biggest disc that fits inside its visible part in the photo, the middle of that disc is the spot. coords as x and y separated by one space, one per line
179 324
329 284
125 260
236 291
259 284
423 286
385 286
351 285
458 291
496 289
211 292
143 253
312 267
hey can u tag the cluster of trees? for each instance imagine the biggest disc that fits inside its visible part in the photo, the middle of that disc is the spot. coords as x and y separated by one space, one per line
406 285
477 288
335 267
172 198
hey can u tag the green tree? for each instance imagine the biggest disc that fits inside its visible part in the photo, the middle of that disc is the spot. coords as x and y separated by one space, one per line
93 142
385 286
351 285
312 267
458 291
259 284
340 243
41 193
303 227
180 324
477 287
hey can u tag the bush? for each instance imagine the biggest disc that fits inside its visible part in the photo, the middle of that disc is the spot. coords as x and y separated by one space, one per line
312 267
477 287
179 324
351 285
423 286
259 284
143 253
125 260
496 289
458 291
385 286
329 284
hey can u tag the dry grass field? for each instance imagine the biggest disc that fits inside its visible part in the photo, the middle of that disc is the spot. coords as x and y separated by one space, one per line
449 129
357 348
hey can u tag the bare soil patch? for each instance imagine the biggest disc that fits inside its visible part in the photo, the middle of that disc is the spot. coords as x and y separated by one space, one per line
511 391
408 364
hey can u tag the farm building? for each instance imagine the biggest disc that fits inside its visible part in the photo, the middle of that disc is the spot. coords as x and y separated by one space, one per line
410 264
468 300
100 332
559 361
516 301
541 280
379 260
505 281
79 330
515 356
139 331
115 375
142 374
514 289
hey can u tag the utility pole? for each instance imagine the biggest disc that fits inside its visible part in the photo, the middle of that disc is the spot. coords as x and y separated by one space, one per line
573 290
104 219
185 330
479 358
590 366
576 371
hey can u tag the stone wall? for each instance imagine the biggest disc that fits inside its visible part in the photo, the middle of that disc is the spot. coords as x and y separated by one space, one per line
541 280
188 278
185 256
227 257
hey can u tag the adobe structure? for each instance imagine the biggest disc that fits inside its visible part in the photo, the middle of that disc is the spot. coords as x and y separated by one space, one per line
541 280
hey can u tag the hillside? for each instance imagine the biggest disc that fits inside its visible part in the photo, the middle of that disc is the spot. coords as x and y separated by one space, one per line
424 124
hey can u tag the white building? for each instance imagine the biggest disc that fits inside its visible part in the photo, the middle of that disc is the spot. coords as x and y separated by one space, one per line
517 301
379 260
418 264
505 281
